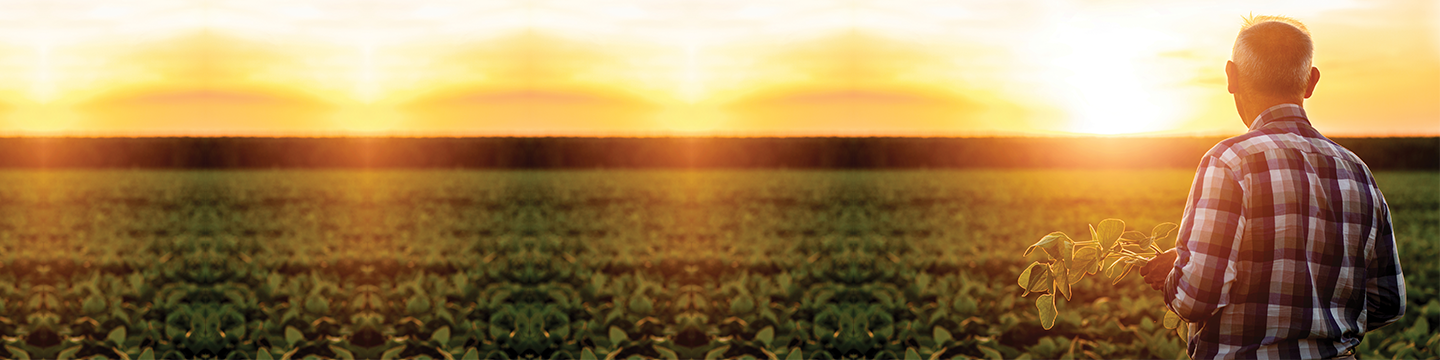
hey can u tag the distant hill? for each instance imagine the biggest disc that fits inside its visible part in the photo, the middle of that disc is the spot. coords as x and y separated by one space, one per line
1410 153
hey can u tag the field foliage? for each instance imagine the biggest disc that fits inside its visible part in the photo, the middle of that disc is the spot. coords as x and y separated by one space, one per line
598 264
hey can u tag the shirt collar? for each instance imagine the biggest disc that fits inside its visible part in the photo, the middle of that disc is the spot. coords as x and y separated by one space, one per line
1278 112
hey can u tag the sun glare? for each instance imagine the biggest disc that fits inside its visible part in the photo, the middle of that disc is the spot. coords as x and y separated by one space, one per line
365 87
42 88
1107 82
742 67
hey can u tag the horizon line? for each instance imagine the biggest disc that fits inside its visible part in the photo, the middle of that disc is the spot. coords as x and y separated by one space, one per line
680 136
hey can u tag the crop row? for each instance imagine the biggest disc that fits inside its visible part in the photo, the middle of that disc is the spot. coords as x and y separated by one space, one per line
773 264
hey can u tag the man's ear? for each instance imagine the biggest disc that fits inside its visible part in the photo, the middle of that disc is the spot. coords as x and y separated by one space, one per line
1232 77
1314 79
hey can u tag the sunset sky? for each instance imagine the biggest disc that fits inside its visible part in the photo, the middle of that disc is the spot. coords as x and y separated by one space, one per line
690 67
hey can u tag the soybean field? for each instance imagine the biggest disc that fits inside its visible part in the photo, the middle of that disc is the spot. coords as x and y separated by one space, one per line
599 264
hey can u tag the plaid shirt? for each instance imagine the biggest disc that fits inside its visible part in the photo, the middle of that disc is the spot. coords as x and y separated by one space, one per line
1286 249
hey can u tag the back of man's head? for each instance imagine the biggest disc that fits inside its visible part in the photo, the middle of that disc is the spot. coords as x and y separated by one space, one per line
1273 55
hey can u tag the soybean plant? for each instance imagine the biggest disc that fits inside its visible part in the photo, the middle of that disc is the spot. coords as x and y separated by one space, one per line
1110 247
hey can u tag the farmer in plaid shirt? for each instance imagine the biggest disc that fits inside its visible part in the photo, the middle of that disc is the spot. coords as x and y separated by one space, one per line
1285 249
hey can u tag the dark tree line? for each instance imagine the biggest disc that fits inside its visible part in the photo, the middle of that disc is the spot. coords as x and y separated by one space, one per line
1412 153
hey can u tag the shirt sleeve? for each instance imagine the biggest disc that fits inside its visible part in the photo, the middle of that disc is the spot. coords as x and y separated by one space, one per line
1385 286
1207 244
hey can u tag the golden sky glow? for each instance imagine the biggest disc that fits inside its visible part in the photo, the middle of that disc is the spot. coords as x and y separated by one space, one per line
690 67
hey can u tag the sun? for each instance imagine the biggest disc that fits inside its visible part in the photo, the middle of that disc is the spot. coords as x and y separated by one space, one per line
1106 80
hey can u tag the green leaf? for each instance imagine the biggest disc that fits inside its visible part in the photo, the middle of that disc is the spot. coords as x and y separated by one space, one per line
418 304
1117 265
1085 263
1046 241
1061 282
616 336
293 336
175 297
317 304
1431 308
795 354
586 354
68 353
910 354
117 336
441 335
1046 305
742 305
1041 283
1164 232
1172 320
1145 243
641 304
1418 331
341 353
940 335
821 331
1067 249
1133 236
991 353
392 353
94 304
17 353
717 353
1025 277
149 354
1129 265
1109 231
262 354
665 353
115 313
1063 285
766 335
471 354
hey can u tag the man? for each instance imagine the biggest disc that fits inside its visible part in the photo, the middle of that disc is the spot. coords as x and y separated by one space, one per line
1285 249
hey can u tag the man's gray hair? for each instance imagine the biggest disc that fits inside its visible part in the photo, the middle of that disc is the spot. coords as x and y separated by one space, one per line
1273 54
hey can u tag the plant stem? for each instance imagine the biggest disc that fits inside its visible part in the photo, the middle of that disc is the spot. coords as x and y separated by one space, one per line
1133 255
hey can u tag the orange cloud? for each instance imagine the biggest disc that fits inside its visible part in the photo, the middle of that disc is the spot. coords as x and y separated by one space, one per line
202 83
491 110
857 83
861 110
205 110
530 83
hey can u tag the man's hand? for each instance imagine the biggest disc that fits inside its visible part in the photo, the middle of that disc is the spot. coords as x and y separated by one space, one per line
1158 269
